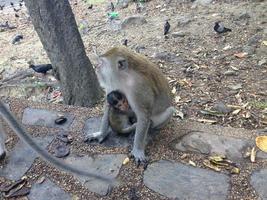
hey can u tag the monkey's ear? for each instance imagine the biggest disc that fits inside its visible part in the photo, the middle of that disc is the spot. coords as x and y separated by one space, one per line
122 64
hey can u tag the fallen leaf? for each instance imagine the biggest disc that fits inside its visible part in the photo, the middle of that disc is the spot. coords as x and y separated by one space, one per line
217 158
75 197
125 161
209 121
235 112
241 54
177 99
261 142
40 180
178 113
211 112
173 90
211 166
192 163
264 42
236 86
253 154
235 170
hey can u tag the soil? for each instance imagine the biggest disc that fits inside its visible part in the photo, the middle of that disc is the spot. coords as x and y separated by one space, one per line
201 66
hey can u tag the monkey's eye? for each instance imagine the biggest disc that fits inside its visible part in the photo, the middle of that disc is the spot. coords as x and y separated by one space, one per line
122 64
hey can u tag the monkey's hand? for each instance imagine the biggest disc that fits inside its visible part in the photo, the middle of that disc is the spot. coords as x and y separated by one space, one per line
97 136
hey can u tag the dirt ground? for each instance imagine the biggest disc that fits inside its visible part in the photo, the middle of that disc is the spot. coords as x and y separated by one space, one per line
201 67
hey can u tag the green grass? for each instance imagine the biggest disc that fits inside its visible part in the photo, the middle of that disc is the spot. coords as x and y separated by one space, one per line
259 105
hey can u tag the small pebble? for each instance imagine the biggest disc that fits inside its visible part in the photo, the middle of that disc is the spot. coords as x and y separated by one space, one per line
62 151
61 120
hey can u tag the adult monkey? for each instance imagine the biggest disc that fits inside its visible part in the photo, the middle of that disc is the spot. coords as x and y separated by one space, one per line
145 88
23 135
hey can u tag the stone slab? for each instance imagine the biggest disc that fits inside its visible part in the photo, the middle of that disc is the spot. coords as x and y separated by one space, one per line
92 125
207 143
47 190
41 117
176 180
108 165
259 182
21 158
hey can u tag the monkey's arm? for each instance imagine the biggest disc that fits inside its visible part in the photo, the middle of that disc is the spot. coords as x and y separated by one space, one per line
104 127
17 128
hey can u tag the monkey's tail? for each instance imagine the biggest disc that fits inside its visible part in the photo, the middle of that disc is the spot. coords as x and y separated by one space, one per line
13 123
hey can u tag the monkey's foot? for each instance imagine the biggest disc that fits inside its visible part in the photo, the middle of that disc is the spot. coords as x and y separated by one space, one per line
97 136
139 157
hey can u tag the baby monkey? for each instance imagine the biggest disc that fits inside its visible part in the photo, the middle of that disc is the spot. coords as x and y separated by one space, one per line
121 117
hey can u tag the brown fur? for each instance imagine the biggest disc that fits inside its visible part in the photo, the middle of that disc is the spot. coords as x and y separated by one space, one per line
143 66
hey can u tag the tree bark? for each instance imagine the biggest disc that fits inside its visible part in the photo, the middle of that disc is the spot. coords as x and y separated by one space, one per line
55 24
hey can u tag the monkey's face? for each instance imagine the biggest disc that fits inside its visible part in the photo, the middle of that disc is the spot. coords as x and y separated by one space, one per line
111 70
117 100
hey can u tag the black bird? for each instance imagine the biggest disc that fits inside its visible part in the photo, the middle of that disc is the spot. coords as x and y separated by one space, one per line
20 4
42 69
219 28
2 7
16 15
112 7
12 4
125 42
167 27
90 6
17 38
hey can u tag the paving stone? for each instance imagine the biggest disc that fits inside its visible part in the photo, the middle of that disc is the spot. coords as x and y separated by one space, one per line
21 158
259 182
207 143
47 190
108 165
40 117
176 180
133 21
113 140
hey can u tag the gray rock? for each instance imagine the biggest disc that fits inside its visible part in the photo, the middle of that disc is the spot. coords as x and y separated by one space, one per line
259 181
250 50
133 21
203 2
222 108
21 158
230 73
178 34
254 40
39 117
184 20
123 3
107 165
207 143
243 15
237 86
113 140
48 190
175 180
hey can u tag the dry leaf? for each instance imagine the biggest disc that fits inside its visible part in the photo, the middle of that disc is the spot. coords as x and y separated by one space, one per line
40 180
235 112
253 154
173 90
235 170
217 158
192 163
126 160
211 166
209 121
177 99
261 142
264 42
211 112
247 115
178 113
241 54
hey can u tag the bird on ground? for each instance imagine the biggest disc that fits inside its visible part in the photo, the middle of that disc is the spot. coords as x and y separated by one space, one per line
125 42
167 27
2 7
112 7
42 69
17 38
12 4
219 28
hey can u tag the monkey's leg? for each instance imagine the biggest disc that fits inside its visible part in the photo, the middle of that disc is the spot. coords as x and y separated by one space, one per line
163 118
142 126
103 133
2 143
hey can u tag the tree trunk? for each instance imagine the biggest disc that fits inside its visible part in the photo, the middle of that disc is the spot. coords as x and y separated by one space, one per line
55 24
